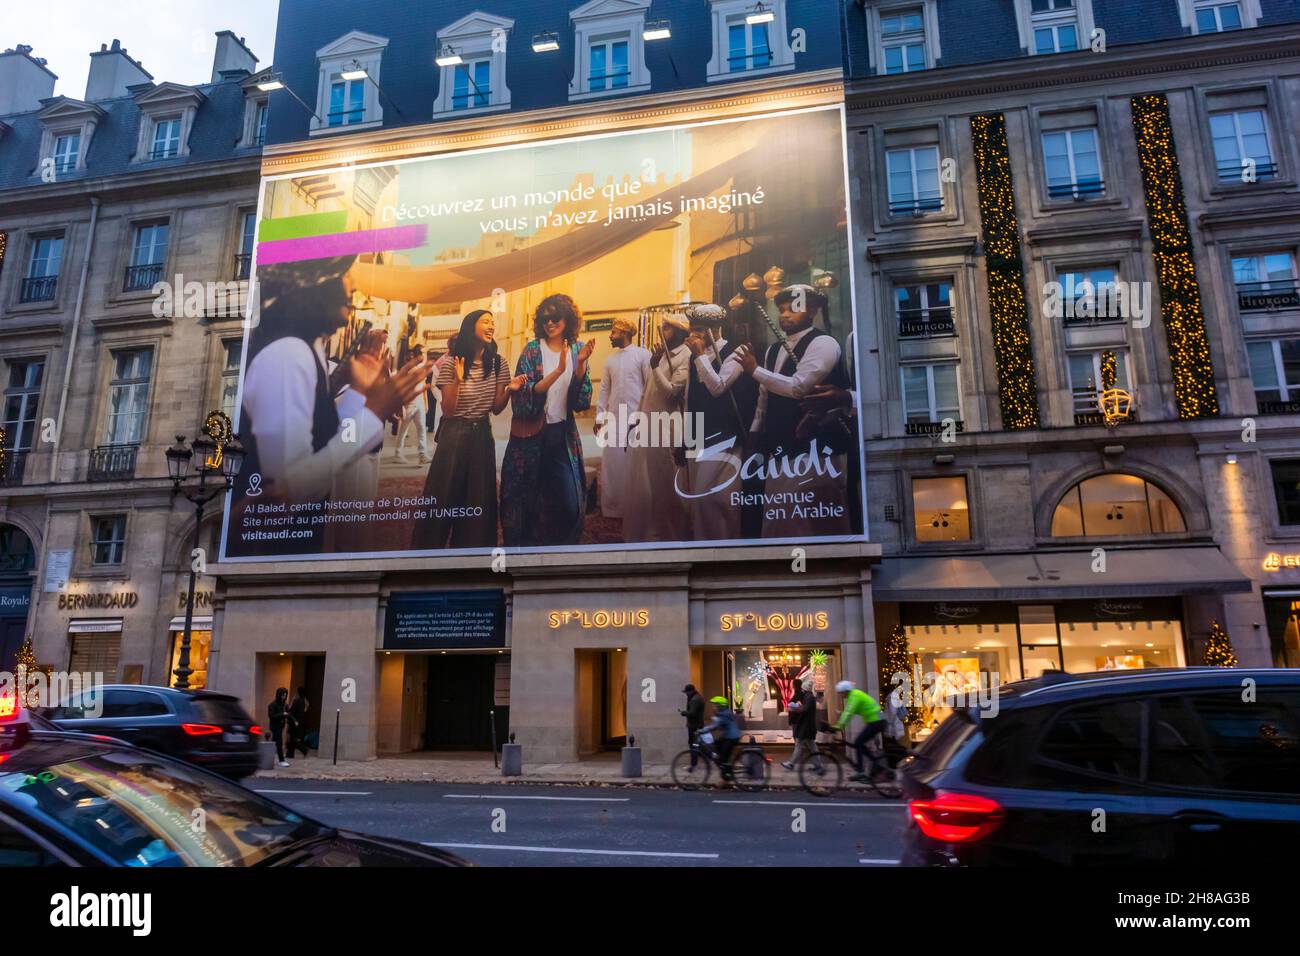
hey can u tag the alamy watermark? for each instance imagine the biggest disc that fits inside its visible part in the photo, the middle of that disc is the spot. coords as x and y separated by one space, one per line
36 688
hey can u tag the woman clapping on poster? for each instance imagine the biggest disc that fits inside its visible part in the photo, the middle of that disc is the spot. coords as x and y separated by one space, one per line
543 485
462 480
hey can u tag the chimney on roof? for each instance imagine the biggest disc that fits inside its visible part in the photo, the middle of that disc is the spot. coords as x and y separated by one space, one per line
24 81
232 54
111 72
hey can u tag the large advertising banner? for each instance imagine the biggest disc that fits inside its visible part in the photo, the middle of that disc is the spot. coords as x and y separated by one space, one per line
637 339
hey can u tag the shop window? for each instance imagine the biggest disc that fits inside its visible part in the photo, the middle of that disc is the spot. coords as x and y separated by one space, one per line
1286 489
1093 747
1275 372
1255 744
1266 281
108 539
1102 644
940 508
200 643
1116 505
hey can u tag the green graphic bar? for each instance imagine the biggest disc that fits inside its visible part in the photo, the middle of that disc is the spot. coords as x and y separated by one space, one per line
302 227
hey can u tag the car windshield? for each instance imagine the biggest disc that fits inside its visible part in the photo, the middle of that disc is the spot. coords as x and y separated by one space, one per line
142 809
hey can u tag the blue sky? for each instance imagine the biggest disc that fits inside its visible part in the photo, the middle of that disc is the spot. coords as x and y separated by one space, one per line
175 39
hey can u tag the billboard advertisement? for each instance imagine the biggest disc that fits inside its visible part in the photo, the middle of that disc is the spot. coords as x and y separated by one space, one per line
635 339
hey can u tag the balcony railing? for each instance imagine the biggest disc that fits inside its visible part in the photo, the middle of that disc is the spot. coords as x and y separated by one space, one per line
916 324
243 266
915 207
12 471
164 152
112 463
1231 171
143 277
1271 296
1077 191
38 289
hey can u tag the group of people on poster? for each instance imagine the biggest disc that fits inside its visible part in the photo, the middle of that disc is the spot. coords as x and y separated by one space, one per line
312 426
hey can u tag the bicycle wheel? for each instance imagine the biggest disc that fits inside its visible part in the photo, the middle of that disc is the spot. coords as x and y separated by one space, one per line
885 783
750 769
825 783
688 777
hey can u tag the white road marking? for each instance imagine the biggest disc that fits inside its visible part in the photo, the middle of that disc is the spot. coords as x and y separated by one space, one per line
493 796
814 802
327 793
881 862
566 849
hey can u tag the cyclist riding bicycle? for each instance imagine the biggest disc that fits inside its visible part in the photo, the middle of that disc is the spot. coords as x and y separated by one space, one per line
724 721
863 704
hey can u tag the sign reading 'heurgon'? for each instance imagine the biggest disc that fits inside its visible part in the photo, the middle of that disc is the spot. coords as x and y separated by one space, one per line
422 620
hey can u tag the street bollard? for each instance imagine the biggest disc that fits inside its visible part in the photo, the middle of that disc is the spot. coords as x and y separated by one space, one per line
338 714
265 754
631 758
512 758
492 726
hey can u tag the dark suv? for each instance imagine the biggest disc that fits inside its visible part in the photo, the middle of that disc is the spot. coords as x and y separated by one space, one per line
210 730
1154 767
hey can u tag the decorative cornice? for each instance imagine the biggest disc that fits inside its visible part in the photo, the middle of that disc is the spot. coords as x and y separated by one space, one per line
1073 233
757 97
962 245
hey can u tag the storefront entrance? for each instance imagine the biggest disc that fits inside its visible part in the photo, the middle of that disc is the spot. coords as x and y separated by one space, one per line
460 701
601 694
761 680
1282 610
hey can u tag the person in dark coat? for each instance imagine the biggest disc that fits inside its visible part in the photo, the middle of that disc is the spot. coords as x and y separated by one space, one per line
803 720
298 708
277 713
694 714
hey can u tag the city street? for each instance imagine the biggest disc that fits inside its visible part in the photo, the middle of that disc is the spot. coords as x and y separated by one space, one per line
603 826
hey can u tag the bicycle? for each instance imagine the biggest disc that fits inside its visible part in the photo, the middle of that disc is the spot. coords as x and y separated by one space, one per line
749 768
825 782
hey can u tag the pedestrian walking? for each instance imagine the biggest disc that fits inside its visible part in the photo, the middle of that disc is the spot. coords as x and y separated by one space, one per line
803 721
298 708
277 713
694 714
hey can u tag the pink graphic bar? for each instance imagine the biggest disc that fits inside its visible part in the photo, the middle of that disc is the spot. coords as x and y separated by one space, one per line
341 244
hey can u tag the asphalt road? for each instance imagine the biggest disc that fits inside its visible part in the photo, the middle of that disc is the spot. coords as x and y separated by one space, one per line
610 826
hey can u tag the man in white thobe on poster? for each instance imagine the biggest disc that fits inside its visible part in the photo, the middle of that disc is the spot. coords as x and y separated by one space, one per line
626 372
653 510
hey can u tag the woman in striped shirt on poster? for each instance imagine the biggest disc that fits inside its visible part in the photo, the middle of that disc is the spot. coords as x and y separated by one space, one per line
475 385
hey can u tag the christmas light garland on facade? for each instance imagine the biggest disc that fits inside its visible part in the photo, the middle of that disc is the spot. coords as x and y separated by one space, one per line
1008 308
1171 242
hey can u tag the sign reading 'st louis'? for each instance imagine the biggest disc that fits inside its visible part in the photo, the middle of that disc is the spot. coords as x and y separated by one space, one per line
666 312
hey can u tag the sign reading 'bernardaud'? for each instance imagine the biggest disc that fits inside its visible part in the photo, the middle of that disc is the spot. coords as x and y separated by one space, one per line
422 620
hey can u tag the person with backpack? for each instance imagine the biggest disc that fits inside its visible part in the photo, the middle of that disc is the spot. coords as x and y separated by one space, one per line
277 713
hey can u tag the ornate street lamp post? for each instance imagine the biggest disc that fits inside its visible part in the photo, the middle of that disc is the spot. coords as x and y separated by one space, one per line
215 457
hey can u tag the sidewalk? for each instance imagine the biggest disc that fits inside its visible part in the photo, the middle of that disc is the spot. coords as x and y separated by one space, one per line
476 768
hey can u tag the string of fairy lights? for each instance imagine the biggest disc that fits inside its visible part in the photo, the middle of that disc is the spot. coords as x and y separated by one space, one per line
1171 241
1008 307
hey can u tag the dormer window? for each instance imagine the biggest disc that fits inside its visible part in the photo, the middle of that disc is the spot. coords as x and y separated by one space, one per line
1218 16
67 150
749 37
256 110
347 88
166 138
1054 26
472 64
904 36
609 48
68 126
262 110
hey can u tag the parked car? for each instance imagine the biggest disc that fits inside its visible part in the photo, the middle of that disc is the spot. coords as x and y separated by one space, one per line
198 726
1149 767
73 799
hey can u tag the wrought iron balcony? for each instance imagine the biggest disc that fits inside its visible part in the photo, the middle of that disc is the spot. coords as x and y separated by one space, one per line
1079 191
11 473
112 463
915 207
38 289
143 277
243 266
1230 171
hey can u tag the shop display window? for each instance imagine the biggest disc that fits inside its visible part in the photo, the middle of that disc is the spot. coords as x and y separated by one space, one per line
1121 645
200 641
940 508
762 681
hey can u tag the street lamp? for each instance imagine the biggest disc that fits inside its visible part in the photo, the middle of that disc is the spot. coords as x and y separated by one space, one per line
215 458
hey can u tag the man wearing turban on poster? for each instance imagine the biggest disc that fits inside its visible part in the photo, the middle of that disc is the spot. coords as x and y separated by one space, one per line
626 371
654 511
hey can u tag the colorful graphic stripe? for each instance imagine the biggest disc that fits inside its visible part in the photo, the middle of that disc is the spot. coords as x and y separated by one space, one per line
341 244
302 227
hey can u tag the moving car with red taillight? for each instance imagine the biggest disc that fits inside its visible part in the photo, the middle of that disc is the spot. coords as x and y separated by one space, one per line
211 730
1145 767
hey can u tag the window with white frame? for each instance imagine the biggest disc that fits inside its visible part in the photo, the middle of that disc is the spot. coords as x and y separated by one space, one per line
1072 163
67 149
1217 16
924 309
1089 296
913 174
128 396
749 36
1241 145
44 262
1275 372
902 40
347 86
148 256
261 114
609 48
1086 384
471 57
1054 26
247 240
108 539
166 137
1266 280
930 393
22 396
231 352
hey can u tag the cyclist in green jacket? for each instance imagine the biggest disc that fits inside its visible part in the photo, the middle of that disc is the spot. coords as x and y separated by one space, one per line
864 705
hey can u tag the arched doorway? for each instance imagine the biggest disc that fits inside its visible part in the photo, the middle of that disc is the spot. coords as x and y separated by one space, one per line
17 561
